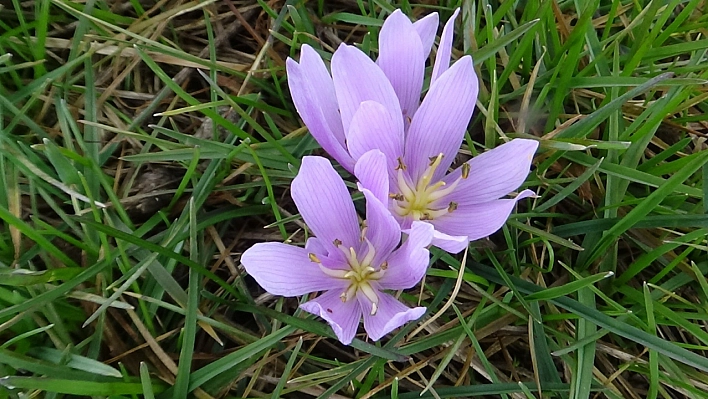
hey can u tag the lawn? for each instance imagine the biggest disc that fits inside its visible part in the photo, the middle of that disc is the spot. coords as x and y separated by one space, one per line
145 146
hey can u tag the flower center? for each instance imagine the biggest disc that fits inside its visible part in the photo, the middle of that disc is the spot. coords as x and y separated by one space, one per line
421 200
360 274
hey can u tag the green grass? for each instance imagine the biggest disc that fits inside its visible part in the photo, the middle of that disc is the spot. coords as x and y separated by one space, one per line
131 183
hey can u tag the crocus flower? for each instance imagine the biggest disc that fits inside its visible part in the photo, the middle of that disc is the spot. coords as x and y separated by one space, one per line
464 205
328 104
352 265
369 118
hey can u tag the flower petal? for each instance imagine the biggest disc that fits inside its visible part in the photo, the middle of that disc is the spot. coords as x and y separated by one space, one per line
357 79
427 27
402 59
343 317
286 270
480 220
373 127
408 264
314 245
448 243
371 171
382 230
442 58
313 94
324 202
440 123
493 174
391 314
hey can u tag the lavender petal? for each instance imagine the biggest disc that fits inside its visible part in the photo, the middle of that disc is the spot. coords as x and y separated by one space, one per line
446 112
372 172
402 59
357 79
373 127
481 220
343 317
408 264
427 27
286 270
493 174
324 203
391 314
442 58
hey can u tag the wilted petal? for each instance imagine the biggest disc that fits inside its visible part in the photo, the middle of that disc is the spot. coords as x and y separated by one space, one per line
402 59
481 220
391 314
286 270
324 202
448 243
343 317
493 174
371 171
382 230
357 79
440 123
372 127
442 58
313 94
427 28
408 264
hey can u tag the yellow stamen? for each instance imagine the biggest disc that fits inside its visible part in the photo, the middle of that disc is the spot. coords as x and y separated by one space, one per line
420 200
452 207
360 273
466 170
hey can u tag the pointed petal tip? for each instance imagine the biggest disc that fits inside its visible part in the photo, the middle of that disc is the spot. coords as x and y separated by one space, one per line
526 194
315 161
426 28
450 243
531 145
398 321
392 315
395 13
343 317
290 64
308 53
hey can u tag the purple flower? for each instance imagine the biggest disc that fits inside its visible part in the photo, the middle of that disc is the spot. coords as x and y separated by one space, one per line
464 205
329 105
369 117
352 265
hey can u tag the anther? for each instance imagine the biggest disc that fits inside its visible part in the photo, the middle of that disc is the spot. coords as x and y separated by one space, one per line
384 266
435 159
374 308
425 216
466 170
397 197
337 242
452 206
401 165
314 258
